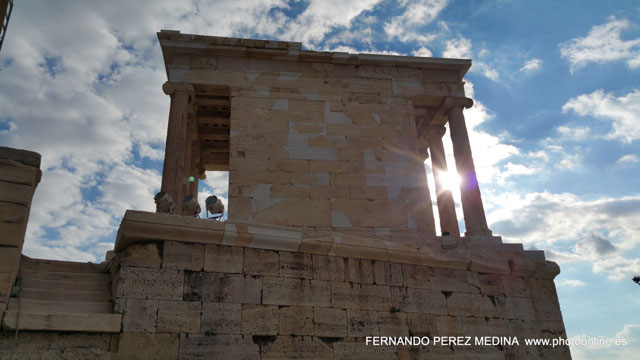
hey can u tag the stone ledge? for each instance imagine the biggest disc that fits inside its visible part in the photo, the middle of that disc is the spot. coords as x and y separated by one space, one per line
495 257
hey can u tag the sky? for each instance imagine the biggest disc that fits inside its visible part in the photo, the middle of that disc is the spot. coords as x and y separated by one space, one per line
555 128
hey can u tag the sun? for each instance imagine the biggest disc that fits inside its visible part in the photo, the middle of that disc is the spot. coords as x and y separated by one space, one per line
450 180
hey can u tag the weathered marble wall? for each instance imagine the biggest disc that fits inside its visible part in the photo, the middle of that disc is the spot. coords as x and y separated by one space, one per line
189 301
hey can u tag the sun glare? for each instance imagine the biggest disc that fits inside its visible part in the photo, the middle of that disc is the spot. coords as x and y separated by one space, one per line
450 180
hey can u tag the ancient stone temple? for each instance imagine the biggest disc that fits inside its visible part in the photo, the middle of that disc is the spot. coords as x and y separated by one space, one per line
329 240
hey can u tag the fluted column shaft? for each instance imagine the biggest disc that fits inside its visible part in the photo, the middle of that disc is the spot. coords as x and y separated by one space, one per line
175 172
472 208
446 206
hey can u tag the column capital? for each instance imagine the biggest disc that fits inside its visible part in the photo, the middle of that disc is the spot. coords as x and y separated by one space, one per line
171 87
436 131
457 102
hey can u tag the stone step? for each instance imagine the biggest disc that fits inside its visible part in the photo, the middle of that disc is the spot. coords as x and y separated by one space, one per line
64 276
59 307
59 266
29 283
102 323
53 295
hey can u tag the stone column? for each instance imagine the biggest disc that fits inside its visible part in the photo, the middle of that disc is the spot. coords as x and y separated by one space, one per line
19 176
446 206
472 208
175 172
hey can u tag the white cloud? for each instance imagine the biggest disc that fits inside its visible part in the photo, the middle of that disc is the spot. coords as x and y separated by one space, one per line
602 44
618 268
531 65
423 51
574 134
416 13
571 283
630 334
621 111
459 48
628 159
604 231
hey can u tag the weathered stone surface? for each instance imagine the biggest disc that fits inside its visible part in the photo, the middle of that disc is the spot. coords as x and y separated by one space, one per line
26 157
261 262
387 273
328 268
287 213
330 322
15 172
419 300
362 323
231 347
13 213
393 323
146 346
9 258
296 320
357 349
179 316
423 325
224 259
221 318
298 347
143 254
260 319
360 296
288 291
184 256
137 315
144 283
360 271
296 265
371 213
218 287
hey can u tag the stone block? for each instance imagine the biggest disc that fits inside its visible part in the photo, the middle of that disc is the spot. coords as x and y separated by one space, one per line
422 325
298 347
147 346
330 322
515 286
224 259
179 316
13 213
297 212
419 300
143 254
145 283
369 192
387 273
475 326
351 348
328 166
221 318
6 284
261 262
328 268
372 213
491 284
416 276
180 255
296 265
289 291
260 319
288 165
393 323
15 172
547 310
360 296
9 259
137 315
515 308
26 157
289 191
217 287
223 347
296 320
329 192
360 271
12 234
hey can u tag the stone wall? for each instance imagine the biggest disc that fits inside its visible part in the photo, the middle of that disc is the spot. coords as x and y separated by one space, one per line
196 300
19 176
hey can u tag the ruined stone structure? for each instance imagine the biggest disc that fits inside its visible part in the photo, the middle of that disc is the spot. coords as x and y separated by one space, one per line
330 235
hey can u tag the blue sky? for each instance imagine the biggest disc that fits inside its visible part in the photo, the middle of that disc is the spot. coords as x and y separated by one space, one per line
555 127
